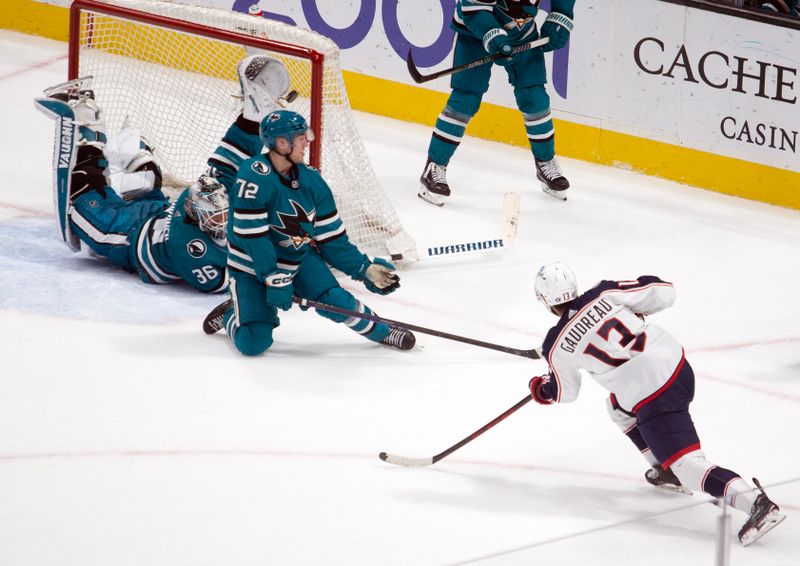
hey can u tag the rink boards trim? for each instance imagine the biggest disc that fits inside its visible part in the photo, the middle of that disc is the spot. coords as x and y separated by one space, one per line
497 123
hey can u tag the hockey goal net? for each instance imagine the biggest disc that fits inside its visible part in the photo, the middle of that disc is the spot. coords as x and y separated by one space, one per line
171 68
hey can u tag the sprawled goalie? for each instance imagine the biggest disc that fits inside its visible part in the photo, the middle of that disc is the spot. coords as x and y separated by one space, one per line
108 199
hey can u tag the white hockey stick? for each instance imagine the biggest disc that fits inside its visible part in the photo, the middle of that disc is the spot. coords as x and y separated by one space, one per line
508 228
508 235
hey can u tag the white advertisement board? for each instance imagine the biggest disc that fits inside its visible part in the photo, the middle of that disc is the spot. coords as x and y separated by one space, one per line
702 80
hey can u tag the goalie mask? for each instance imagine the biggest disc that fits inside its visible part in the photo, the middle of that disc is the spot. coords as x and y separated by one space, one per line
207 204
283 124
555 285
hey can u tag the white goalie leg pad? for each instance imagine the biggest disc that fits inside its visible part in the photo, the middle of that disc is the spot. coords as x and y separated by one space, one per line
264 81
64 155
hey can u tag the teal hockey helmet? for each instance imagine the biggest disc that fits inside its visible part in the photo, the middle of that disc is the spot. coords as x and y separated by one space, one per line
283 124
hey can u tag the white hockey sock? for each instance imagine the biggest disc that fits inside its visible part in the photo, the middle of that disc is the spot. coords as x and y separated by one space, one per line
698 474
648 455
740 495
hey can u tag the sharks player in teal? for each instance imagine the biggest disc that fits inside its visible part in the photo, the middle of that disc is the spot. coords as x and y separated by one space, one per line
284 233
497 26
138 230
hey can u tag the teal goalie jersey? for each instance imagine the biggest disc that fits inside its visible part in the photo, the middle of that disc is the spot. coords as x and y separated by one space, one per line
170 247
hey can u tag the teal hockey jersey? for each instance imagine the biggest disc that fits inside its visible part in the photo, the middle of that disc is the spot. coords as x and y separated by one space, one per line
169 247
240 142
516 17
276 220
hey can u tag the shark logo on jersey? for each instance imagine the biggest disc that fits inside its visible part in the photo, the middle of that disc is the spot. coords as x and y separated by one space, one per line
296 227
196 248
260 167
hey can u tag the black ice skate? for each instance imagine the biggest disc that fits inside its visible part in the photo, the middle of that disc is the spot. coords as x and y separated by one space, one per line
213 322
665 479
434 188
764 516
400 338
553 181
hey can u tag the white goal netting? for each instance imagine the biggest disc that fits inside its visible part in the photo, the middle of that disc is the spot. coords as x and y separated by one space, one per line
171 68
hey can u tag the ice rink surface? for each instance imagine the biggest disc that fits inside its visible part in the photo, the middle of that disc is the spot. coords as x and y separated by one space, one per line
131 438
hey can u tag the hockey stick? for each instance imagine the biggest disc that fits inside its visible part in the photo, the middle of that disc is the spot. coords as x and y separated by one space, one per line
420 78
508 235
422 462
534 354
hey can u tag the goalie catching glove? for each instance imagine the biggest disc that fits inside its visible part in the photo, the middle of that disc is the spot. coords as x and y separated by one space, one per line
378 276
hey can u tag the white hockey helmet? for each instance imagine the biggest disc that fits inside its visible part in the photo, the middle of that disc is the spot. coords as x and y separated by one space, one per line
556 284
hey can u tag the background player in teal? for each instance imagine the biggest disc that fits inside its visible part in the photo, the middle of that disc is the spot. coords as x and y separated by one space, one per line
139 231
496 26
786 7
284 233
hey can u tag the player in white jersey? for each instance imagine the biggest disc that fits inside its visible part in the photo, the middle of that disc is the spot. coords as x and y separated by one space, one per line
604 332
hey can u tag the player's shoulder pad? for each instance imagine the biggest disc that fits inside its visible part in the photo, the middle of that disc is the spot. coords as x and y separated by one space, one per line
598 289
651 279
309 170
181 198
258 165
641 282
198 246
310 176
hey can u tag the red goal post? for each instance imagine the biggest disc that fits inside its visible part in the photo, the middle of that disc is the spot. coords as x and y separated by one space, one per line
171 69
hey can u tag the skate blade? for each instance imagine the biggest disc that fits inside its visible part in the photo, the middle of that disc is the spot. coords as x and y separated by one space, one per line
429 197
213 326
674 489
71 87
770 522
560 195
